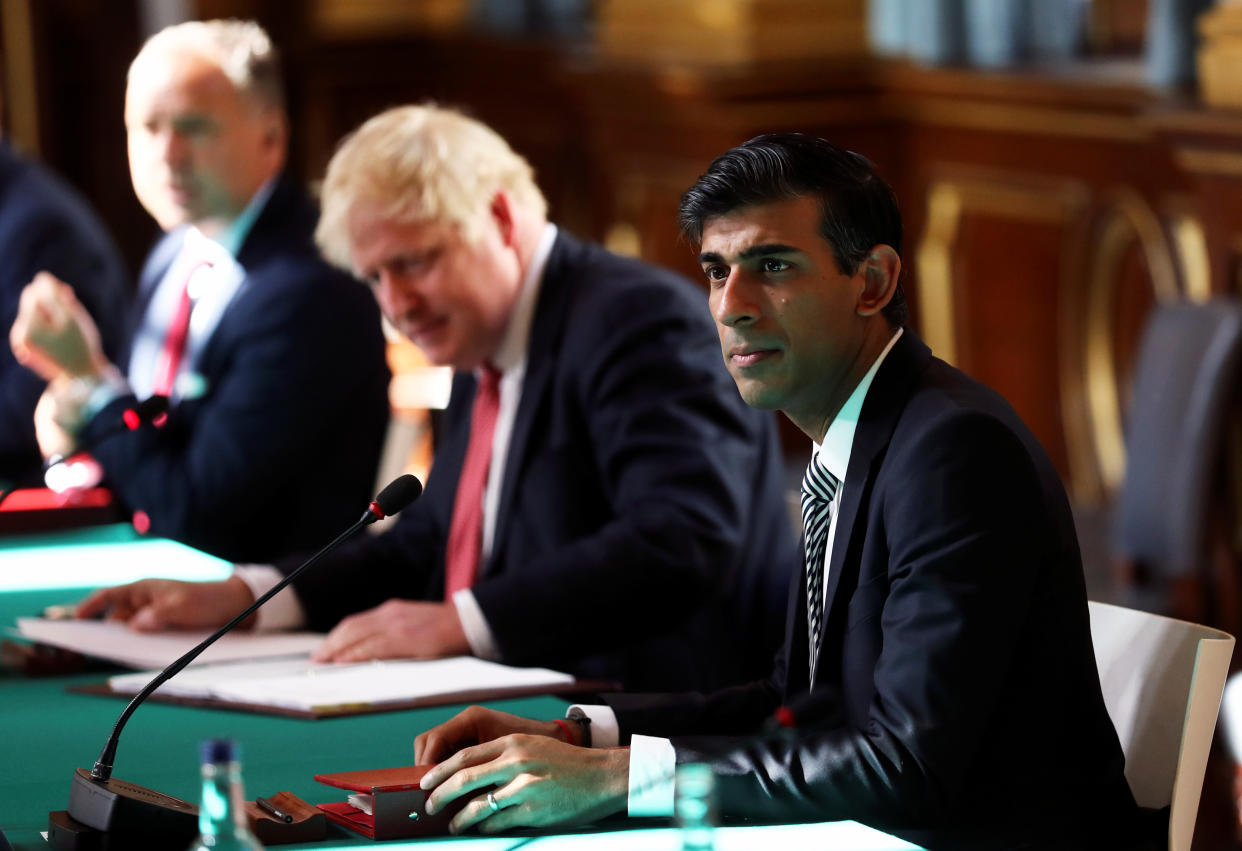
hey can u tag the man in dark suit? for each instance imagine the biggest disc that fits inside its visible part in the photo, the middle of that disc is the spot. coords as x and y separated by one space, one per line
601 501
273 361
45 224
938 679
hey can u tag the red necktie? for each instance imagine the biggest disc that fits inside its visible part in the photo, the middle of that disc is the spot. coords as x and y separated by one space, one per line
465 541
174 341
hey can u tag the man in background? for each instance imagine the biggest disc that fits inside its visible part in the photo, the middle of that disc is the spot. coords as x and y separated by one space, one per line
46 225
601 502
273 361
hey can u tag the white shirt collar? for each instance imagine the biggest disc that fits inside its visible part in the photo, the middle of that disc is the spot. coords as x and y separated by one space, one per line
235 234
196 249
834 453
222 252
511 353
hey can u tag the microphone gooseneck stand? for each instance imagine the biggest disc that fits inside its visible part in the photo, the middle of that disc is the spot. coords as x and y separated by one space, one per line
103 807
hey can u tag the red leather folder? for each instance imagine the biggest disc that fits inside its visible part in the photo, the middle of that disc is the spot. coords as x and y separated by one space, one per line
42 510
397 810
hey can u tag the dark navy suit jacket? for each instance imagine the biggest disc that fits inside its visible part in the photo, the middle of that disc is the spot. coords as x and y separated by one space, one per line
46 225
956 701
641 534
279 453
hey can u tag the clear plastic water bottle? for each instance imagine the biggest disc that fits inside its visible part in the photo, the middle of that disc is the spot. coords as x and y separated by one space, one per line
695 806
222 822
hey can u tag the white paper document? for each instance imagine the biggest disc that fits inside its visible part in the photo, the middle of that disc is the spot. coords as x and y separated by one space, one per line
115 642
302 685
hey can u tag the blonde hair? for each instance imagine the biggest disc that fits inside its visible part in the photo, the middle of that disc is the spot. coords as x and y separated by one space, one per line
242 49
420 164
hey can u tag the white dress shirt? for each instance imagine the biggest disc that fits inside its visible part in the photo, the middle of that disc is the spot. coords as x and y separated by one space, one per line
653 762
284 611
211 289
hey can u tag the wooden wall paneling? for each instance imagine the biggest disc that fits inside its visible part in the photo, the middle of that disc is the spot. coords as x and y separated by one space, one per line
1206 145
1130 268
1234 267
653 131
516 87
992 281
20 98
1191 246
82 52
1022 129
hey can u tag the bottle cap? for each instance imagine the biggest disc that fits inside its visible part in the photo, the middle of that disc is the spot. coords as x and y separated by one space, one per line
220 750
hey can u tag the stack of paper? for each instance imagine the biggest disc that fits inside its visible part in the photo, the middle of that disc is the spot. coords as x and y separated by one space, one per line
115 642
274 670
300 684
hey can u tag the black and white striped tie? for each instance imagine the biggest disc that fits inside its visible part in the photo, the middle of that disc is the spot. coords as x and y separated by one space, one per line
818 489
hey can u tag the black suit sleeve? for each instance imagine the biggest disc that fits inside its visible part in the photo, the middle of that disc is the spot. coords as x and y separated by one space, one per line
723 712
65 243
304 360
664 451
960 512
401 562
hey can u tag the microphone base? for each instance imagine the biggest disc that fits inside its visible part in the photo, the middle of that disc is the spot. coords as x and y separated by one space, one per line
65 833
117 808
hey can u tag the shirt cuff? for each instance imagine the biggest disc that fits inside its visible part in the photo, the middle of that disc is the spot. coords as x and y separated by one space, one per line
605 731
284 611
653 767
474 624
79 399
112 386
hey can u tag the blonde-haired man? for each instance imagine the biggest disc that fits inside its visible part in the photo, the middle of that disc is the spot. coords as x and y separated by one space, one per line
602 500
420 163
423 195
273 361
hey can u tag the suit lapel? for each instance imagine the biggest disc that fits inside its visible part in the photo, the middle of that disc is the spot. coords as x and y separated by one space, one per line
541 348
881 409
285 214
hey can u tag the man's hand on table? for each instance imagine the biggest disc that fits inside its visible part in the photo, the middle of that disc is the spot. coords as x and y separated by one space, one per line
478 724
150 605
397 629
535 778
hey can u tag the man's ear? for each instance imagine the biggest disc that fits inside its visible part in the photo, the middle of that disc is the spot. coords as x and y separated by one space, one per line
277 133
880 272
275 126
501 210
275 138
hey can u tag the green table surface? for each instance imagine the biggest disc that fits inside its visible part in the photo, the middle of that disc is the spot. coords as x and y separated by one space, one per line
46 732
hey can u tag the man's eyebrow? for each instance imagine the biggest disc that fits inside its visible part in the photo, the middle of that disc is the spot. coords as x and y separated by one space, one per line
768 248
752 252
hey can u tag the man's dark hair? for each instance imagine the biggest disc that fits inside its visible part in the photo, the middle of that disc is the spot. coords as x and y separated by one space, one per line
859 208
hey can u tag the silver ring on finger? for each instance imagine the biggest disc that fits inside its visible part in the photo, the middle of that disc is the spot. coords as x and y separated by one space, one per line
491 802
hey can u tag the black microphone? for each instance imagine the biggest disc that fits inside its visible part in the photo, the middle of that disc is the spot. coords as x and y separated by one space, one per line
150 410
100 802
153 409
